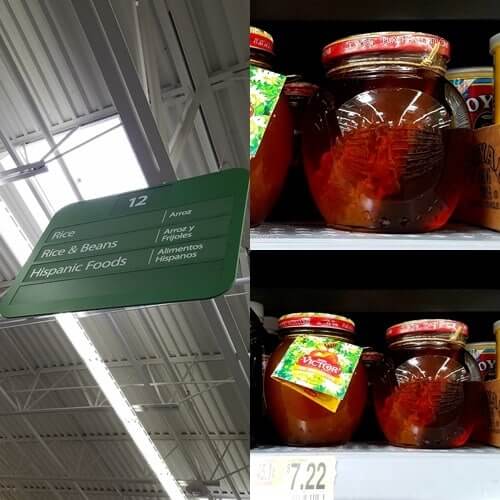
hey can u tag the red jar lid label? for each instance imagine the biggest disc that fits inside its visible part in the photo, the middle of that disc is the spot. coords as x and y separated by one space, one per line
316 320
301 89
428 326
386 42
261 40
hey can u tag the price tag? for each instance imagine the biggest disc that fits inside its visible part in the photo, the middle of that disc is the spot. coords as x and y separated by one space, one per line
294 477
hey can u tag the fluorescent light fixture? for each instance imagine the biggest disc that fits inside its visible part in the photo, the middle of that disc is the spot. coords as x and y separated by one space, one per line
101 373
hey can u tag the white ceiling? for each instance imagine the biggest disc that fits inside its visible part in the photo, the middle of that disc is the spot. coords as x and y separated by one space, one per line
59 438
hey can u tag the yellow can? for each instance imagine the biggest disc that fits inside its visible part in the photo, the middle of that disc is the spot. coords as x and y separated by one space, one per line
495 52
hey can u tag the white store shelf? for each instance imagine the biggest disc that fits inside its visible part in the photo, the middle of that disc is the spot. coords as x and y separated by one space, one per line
377 472
288 237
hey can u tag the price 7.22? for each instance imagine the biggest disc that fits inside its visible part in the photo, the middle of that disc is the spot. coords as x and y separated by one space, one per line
307 476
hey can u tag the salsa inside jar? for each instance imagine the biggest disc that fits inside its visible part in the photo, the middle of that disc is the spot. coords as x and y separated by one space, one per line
297 419
429 392
269 166
379 146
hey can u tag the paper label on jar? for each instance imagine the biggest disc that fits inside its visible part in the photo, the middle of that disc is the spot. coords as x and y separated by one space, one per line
330 403
265 90
319 368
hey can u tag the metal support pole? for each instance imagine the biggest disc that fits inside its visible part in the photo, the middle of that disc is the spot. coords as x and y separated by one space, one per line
111 52
146 29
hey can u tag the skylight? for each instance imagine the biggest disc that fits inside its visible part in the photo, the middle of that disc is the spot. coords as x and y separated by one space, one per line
102 167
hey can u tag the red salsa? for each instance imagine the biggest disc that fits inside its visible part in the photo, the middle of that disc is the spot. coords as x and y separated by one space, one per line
378 151
269 167
428 393
298 420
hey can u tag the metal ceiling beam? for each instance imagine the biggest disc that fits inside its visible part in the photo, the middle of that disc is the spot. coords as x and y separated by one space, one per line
87 479
236 360
107 492
60 128
14 62
121 438
218 80
196 92
147 376
181 360
81 387
193 59
111 52
23 172
32 464
55 459
84 409
173 373
150 55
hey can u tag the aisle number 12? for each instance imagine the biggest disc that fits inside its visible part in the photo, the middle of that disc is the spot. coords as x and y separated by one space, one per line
139 201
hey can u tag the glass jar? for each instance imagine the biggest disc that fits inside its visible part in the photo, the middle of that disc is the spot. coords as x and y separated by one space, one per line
368 429
381 150
256 387
429 392
296 204
269 166
298 420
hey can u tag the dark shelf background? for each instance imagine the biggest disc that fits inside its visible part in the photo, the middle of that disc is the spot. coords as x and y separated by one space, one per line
353 10
379 289
298 44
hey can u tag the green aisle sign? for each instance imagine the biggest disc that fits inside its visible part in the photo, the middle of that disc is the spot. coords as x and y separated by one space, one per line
170 243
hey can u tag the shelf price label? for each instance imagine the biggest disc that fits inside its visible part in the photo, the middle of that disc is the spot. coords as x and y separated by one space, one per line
294 477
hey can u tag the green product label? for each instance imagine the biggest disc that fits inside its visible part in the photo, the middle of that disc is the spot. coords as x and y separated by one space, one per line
265 90
324 365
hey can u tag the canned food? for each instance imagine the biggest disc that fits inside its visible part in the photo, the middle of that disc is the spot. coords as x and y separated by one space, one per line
485 355
495 52
476 87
